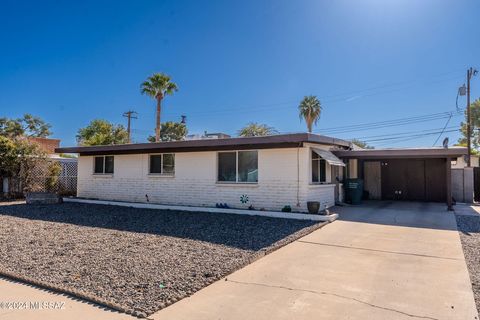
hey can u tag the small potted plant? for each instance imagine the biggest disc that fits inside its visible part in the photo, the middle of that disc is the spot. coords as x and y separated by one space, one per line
313 207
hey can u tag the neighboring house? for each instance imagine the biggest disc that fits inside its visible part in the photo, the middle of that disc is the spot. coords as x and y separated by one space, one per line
67 182
68 164
206 135
461 162
48 145
265 172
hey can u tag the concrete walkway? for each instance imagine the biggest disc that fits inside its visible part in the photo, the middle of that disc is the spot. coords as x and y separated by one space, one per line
20 301
379 261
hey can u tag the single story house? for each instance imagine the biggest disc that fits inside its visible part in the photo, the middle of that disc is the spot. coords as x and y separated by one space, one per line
264 172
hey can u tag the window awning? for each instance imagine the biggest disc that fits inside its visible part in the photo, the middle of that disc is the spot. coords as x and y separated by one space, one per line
329 157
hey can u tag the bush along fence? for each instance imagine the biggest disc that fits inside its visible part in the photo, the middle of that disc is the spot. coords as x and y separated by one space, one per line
52 175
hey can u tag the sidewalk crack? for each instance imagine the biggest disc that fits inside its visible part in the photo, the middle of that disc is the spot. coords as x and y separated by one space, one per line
335 295
378 250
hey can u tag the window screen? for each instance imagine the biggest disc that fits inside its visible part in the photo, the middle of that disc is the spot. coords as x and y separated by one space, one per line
162 164
98 165
227 166
318 168
168 164
108 164
247 166
238 166
103 164
156 163
322 165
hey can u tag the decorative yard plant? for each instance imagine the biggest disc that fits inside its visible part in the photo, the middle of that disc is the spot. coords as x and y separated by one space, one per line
19 159
54 171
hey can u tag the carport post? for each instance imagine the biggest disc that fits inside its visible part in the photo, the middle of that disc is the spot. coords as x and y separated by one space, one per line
448 167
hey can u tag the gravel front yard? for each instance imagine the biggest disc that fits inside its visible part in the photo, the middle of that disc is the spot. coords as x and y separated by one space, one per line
140 259
469 229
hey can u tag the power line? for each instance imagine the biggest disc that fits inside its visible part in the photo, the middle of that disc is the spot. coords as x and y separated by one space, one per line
324 98
373 125
396 134
406 119
400 140
446 124
388 123
409 137
395 89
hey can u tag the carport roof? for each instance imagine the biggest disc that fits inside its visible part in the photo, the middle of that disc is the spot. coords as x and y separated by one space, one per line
453 152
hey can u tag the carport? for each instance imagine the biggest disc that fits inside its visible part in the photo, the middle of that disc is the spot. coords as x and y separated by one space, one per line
404 174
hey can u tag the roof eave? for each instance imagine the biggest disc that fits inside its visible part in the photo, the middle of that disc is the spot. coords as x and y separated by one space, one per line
268 142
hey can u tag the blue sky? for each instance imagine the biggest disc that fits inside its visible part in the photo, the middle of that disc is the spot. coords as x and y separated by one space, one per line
240 61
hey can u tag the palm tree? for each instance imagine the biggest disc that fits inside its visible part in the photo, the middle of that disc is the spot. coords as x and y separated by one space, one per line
310 109
254 129
158 86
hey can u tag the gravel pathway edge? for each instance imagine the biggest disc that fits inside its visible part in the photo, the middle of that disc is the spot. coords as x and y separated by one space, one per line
468 227
71 292
109 304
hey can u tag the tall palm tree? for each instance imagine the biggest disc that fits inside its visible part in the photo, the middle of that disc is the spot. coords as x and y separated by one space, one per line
158 86
310 110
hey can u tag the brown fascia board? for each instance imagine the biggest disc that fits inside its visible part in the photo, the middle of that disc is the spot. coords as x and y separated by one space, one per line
268 142
401 153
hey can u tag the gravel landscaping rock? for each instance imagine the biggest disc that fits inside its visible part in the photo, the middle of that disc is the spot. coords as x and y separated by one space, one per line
469 229
140 259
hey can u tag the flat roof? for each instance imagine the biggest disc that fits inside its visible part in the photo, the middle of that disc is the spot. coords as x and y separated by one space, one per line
292 140
453 152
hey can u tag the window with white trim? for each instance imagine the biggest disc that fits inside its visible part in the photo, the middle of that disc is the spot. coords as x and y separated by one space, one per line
103 165
319 169
238 167
162 164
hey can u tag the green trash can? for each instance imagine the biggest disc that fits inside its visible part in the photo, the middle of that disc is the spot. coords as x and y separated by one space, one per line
354 191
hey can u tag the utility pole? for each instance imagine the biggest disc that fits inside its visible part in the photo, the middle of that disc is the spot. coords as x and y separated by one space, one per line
470 73
129 115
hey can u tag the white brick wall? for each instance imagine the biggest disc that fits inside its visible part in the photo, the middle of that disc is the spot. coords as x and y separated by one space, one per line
195 183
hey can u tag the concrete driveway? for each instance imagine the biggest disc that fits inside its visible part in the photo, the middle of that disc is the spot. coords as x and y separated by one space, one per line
380 261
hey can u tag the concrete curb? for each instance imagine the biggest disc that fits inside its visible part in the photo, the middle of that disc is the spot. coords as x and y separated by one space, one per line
271 214
71 292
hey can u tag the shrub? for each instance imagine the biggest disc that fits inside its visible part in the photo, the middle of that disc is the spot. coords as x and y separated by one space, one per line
54 171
